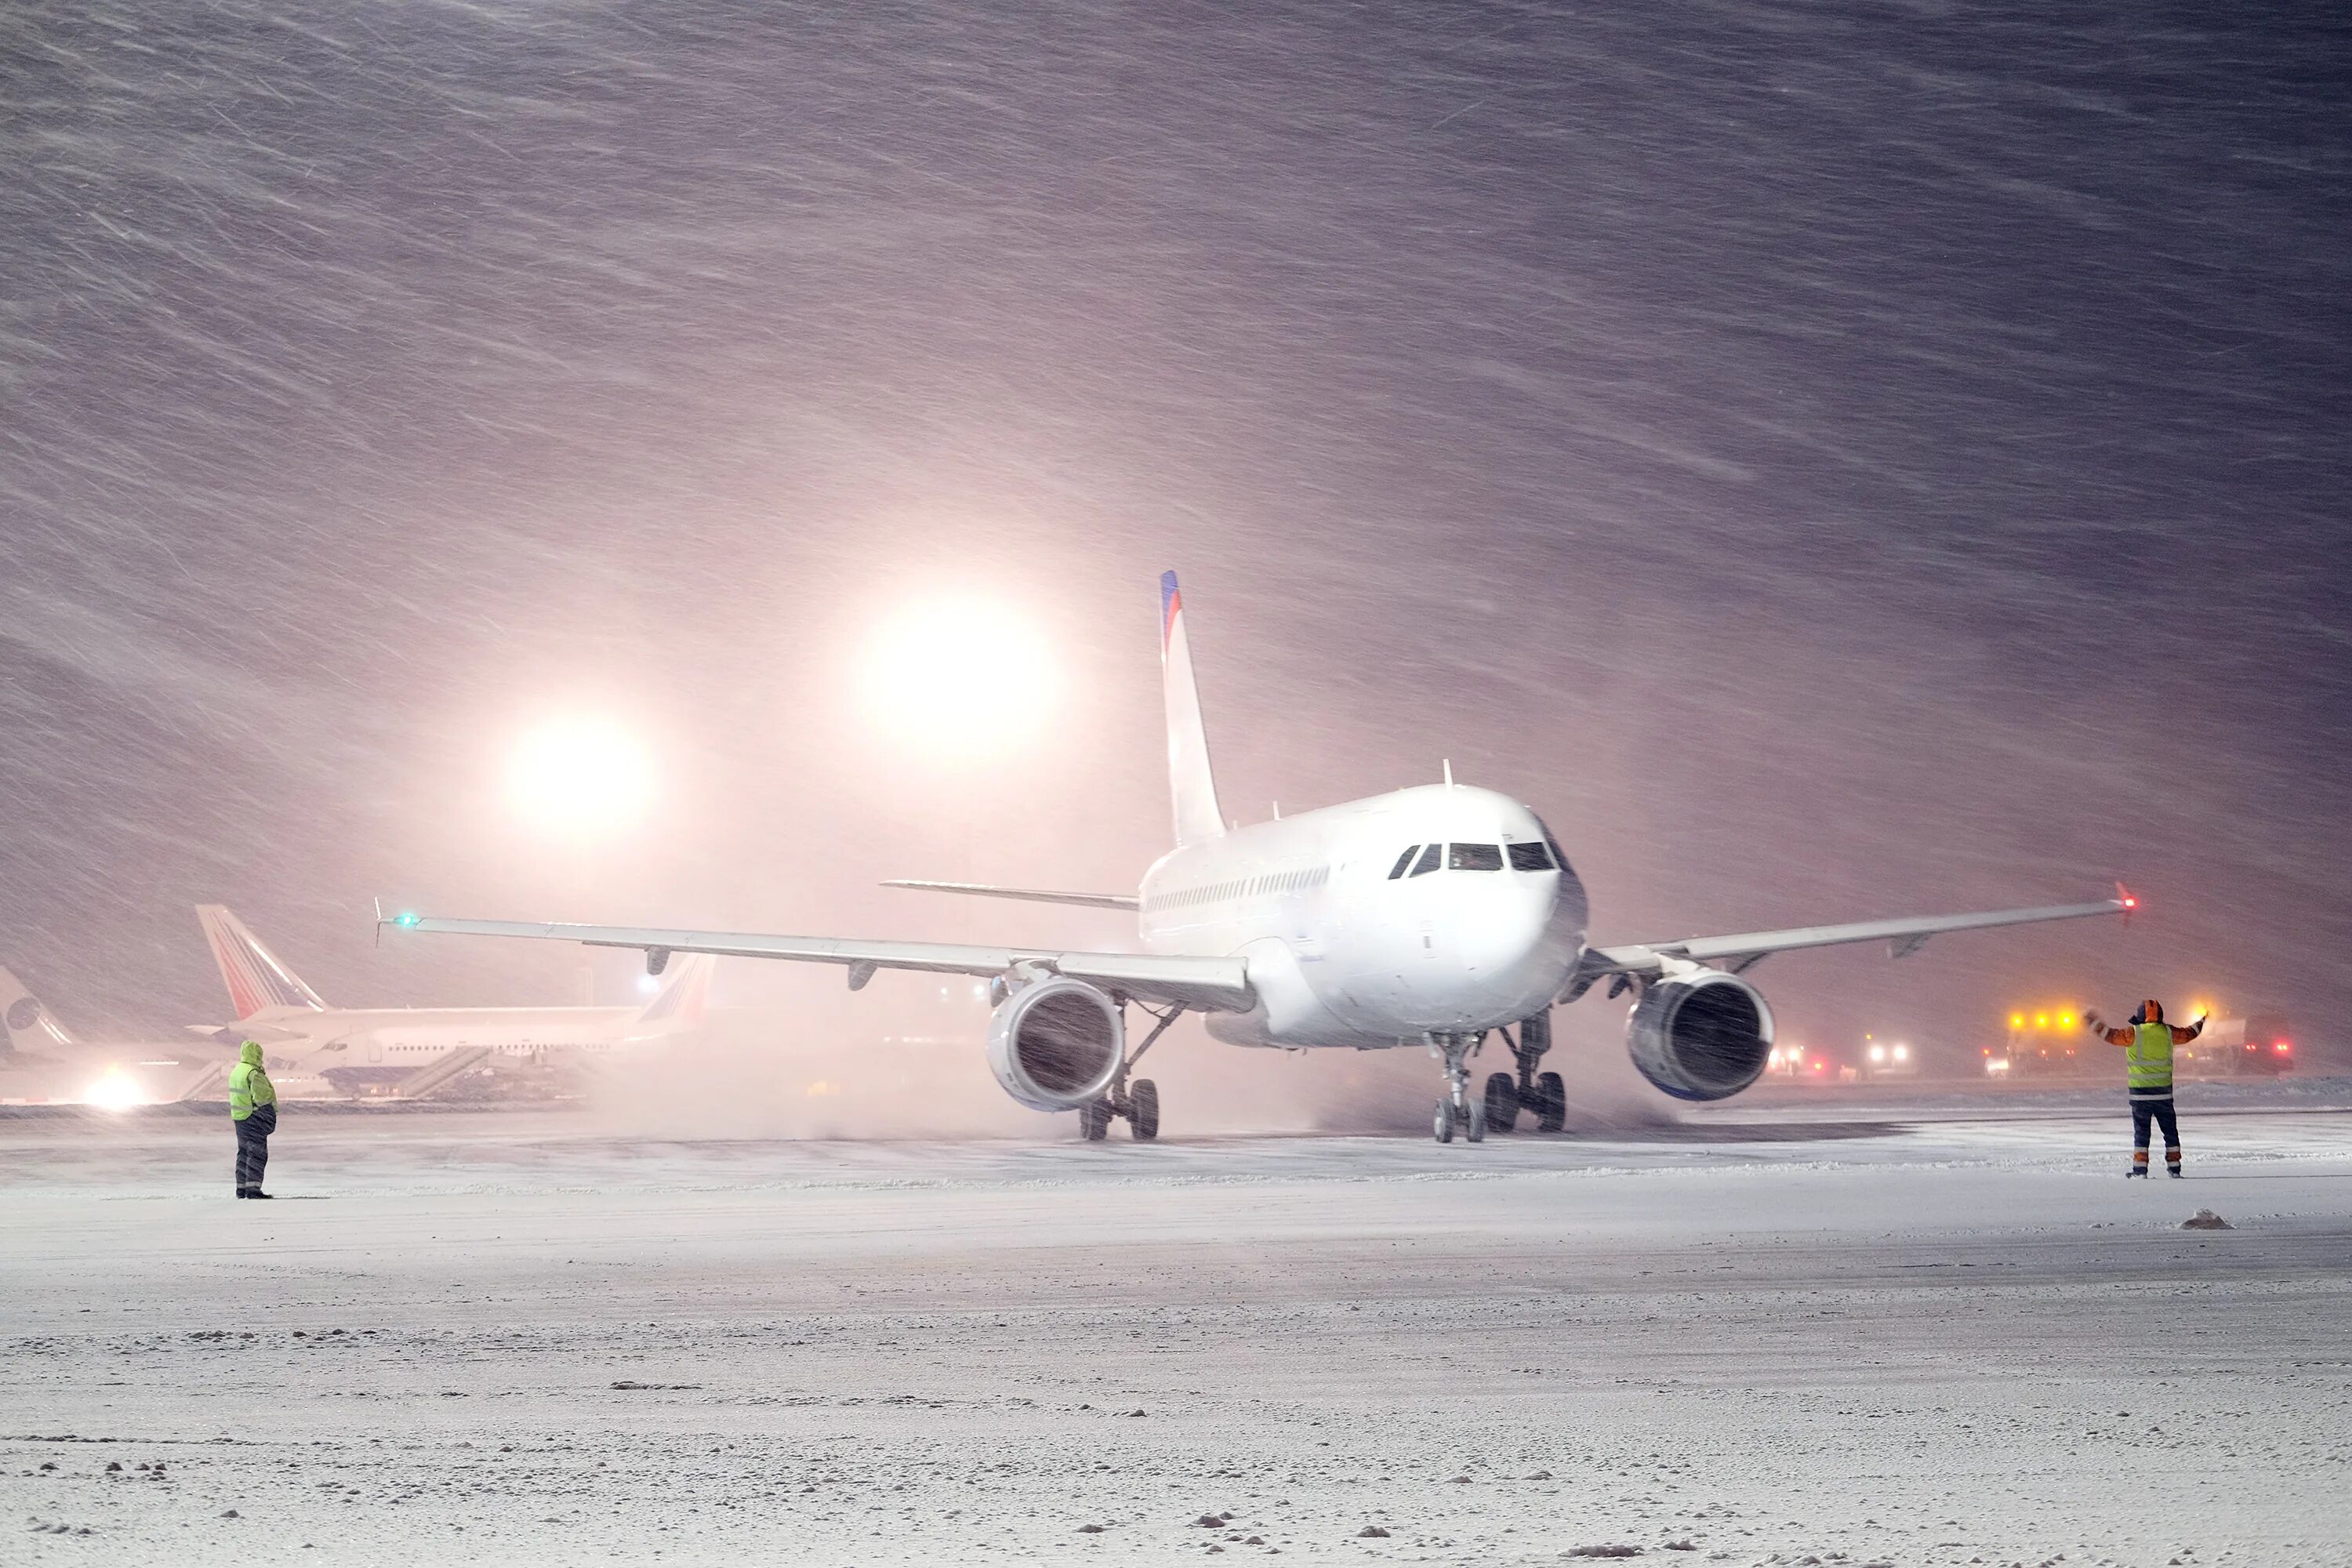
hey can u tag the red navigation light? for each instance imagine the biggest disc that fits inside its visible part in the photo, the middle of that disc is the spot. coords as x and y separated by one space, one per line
2283 1047
2130 903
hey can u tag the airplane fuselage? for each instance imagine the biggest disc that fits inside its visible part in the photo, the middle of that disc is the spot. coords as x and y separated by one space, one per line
1438 909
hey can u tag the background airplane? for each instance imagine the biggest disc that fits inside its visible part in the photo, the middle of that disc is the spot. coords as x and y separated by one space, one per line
1441 915
422 1051
42 1061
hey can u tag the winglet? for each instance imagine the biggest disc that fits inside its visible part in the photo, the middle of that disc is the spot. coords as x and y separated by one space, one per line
1190 780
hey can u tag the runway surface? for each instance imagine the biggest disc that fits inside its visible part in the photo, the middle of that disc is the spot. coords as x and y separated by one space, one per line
1777 1339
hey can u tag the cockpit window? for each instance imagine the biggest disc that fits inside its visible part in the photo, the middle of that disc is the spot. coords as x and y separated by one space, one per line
1403 861
1428 861
1530 857
1474 858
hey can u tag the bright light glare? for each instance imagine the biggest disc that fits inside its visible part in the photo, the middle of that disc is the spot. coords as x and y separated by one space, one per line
1902 1053
580 774
960 675
114 1091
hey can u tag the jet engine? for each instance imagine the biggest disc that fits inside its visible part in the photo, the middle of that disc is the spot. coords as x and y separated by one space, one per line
1702 1035
1055 1045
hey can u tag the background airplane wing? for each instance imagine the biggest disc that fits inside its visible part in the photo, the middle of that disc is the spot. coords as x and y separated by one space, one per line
1206 984
1744 949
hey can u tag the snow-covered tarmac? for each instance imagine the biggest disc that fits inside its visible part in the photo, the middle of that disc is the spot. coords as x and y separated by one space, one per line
508 1338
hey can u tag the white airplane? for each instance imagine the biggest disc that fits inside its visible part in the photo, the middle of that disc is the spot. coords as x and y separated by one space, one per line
419 1049
1433 916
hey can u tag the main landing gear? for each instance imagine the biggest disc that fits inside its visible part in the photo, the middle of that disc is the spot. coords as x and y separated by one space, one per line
1138 1102
1543 1094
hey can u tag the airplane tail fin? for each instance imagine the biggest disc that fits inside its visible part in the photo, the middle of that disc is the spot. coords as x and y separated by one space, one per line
256 979
1189 781
31 1025
684 996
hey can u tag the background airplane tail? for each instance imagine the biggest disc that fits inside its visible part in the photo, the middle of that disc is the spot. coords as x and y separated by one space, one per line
685 994
255 978
30 1024
1189 781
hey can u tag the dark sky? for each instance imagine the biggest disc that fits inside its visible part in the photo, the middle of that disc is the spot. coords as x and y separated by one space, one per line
1832 460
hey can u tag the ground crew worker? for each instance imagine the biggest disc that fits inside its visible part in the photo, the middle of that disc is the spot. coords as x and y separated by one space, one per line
2148 1041
253 1112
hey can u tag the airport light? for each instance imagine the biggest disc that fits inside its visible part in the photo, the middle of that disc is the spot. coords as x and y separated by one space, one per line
2017 1020
578 774
114 1091
960 675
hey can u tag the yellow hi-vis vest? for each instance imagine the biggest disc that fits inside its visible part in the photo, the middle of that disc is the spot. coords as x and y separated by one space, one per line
250 1085
2150 1056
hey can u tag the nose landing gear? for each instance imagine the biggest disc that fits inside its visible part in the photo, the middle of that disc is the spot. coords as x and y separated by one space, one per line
1457 1110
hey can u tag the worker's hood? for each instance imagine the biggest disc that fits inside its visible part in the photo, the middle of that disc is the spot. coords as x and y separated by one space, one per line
249 1053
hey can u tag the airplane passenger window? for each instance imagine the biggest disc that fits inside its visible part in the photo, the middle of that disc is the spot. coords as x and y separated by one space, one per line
1474 858
1403 861
1530 857
1430 855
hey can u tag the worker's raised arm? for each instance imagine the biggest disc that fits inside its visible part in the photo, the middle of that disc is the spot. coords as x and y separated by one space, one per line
2181 1037
2098 1026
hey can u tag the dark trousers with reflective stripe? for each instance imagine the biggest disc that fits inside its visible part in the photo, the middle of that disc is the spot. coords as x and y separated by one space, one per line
2157 1109
253 1146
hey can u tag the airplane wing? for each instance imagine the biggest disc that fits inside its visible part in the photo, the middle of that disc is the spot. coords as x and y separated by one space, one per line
230 1034
1744 950
981 889
1206 985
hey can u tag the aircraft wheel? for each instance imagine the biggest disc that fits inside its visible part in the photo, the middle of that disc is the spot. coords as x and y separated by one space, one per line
1476 1132
1551 1103
1444 1125
1144 1110
1094 1120
1502 1101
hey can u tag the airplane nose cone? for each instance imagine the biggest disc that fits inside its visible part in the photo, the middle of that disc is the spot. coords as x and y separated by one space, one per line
1518 947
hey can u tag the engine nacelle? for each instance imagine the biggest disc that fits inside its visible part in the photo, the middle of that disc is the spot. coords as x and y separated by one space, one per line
1055 1045
1705 1035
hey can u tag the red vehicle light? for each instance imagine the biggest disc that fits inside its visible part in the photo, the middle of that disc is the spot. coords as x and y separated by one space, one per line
2282 1048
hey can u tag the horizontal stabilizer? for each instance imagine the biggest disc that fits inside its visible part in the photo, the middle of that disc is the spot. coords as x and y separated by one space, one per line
1033 895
